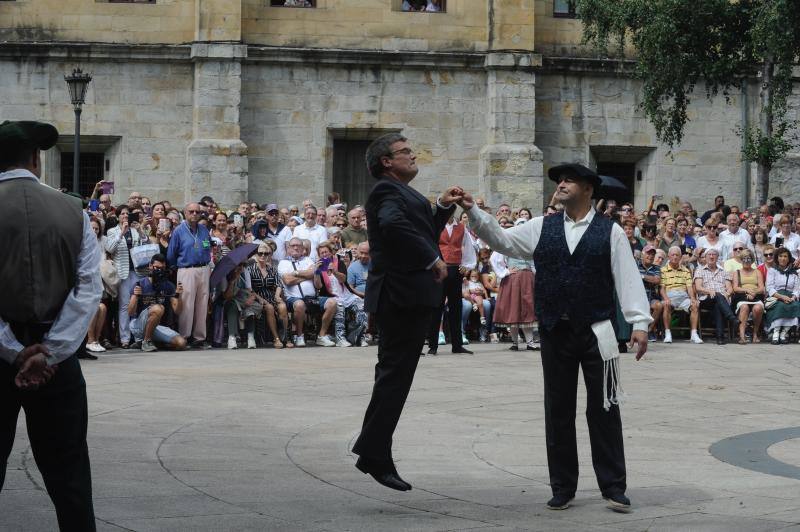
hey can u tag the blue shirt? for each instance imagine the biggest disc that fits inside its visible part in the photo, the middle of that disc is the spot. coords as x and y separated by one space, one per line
357 275
153 295
189 249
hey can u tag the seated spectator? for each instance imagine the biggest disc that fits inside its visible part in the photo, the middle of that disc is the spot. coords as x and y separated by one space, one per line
734 262
297 274
713 284
760 243
155 300
785 237
677 292
768 253
651 277
331 281
240 305
783 285
660 258
748 294
268 287
355 233
685 239
475 299
358 271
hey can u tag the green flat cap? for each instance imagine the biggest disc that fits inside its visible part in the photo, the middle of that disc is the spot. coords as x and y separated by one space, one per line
27 134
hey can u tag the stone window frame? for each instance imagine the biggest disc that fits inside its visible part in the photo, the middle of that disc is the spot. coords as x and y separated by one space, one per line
571 12
397 5
275 3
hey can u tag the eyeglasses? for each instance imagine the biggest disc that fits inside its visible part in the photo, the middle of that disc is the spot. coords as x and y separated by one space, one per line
626 209
341 225
406 151
193 212
263 254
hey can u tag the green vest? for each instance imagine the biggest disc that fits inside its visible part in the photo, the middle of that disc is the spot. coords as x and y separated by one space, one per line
40 238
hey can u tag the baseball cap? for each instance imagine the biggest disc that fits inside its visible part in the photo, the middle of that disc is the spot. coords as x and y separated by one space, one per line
648 248
270 207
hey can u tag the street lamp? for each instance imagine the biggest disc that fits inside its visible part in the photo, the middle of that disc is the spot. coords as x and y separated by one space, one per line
77 83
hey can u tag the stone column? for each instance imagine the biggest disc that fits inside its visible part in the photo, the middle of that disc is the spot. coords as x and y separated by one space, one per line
511 168
216 162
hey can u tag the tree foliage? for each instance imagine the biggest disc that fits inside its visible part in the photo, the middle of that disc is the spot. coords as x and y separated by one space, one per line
679 44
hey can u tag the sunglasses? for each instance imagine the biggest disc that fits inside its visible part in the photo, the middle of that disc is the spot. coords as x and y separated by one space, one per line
341 225
768 254
193 212
738 249
263 254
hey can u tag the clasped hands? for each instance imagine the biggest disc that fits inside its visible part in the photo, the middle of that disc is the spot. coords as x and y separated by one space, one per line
32 368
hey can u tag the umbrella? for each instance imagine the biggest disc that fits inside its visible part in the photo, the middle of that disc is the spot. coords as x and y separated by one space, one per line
612 188
230 261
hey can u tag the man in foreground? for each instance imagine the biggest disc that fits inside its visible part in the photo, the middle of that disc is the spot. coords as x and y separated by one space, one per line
403 289
51 289
581 259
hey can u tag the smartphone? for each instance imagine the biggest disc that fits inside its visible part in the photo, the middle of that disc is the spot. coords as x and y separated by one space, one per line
94 205
237 220
147 210
163 225
326 262
778 241
133 217
107 187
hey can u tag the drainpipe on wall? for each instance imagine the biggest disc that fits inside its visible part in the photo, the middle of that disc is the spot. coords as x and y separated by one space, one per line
745 164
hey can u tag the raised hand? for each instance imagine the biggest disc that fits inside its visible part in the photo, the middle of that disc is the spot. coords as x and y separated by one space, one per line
467 201
451 195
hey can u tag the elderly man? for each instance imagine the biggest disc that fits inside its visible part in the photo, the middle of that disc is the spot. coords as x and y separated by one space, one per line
354 234
190 251
135 201
714 287
677 292
651 277
311 231
358 271
582 260
734 234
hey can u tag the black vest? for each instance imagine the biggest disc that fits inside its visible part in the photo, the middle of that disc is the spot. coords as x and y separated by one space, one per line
579 286
40 237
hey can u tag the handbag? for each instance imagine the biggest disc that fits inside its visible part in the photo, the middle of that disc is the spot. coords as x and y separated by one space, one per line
141 255
110 276
770 302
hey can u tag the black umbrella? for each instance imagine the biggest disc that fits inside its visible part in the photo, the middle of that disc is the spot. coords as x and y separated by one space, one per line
611 188
230 261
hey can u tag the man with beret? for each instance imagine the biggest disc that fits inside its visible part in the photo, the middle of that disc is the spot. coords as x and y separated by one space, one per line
581 260
52 286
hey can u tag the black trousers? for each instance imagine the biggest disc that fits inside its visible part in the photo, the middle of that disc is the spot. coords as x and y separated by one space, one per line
564 349
452 286
56 416
402 335
721 308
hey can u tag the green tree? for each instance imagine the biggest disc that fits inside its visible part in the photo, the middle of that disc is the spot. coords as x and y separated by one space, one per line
720 43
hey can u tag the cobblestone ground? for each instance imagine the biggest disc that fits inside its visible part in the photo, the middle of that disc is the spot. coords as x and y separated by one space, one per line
259 440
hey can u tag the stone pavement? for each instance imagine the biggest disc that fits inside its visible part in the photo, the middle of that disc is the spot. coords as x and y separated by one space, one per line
259 440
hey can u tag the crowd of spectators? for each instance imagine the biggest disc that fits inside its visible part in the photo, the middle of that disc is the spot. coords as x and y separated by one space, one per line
726 268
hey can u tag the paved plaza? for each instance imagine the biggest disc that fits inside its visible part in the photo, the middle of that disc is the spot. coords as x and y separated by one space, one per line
259 440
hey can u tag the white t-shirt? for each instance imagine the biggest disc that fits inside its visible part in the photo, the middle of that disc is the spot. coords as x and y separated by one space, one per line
315 234
285 266
345 296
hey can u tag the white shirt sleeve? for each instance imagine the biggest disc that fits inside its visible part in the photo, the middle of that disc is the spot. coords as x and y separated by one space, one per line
72 322
469 259
518 242
9 345
498 262
628 282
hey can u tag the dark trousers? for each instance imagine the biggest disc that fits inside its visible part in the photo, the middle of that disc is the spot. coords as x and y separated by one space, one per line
721 308
56 417
452 286
402 334
564 349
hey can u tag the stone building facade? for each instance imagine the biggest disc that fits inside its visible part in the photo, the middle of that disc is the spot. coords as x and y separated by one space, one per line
242 99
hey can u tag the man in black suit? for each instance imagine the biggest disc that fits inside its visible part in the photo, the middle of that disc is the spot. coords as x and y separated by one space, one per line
403 289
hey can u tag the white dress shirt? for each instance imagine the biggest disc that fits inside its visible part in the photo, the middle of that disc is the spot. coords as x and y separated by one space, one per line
741 236
792 243
469 258
72 322
283 236
521 241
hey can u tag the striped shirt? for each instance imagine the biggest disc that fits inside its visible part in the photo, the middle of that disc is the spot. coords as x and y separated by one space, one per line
675 278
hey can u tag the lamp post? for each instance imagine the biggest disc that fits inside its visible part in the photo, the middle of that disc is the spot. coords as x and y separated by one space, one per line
77 83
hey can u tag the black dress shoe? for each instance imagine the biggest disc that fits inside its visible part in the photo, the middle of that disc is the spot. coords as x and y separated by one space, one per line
432 351
86 356
721 341
618 502
514 348
385 474
560 501
462 351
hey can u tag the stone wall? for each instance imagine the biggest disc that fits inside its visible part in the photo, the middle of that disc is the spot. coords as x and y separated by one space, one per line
147 105
290 114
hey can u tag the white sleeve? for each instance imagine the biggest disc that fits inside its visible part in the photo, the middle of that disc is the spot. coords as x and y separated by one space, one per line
469 258
9 345
628 283
518 242
771 282
498 262
72 322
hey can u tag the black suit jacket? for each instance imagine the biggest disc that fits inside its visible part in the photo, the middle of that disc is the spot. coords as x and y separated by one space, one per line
403 231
